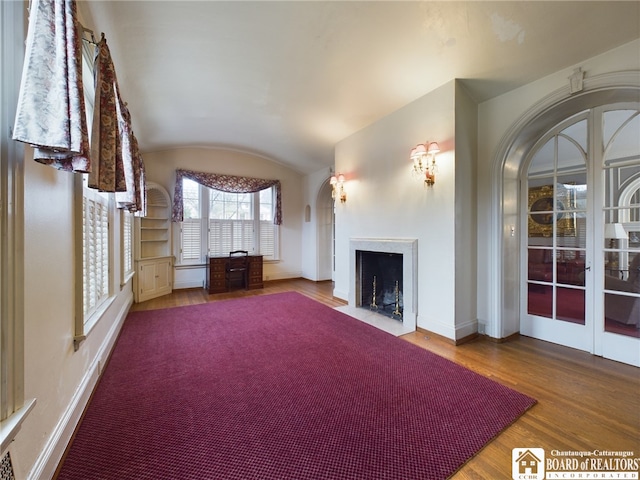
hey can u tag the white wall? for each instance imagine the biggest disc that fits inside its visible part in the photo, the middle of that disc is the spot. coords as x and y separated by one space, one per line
385 201
496 120
466 141
314 248
60 378
161 168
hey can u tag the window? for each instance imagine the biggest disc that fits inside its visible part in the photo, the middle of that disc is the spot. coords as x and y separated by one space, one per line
191 231
231 221
95 251
93 215
268 231
126 227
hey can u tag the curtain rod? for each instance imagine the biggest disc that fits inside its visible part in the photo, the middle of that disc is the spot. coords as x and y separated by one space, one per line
84 29
89 31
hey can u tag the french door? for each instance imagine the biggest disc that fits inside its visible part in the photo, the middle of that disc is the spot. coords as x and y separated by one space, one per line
581 251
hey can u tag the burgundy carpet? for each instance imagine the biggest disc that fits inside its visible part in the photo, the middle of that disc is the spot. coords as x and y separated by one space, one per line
280 387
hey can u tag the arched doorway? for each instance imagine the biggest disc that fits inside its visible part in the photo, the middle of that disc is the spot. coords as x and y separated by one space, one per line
512 283
326 232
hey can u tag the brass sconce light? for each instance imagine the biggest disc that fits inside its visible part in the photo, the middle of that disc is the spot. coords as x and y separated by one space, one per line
337 186
423 157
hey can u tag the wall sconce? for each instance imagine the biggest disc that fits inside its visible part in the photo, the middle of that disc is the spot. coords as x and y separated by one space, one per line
337 186
424 161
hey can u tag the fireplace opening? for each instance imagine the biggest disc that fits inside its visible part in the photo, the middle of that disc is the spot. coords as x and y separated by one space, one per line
380 278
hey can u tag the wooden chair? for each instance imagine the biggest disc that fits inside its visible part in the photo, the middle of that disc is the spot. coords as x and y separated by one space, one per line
237 268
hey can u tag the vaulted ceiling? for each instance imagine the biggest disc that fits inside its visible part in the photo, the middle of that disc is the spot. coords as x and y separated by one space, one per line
290 79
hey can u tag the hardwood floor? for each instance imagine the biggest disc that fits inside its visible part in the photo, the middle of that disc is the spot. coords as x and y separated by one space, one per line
319 291
585 403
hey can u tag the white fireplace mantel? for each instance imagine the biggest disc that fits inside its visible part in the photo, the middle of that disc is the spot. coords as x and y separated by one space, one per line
408 247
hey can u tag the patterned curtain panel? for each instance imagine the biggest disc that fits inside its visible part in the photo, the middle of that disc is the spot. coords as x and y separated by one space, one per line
139 180
51 112
225 183
107 174
117 162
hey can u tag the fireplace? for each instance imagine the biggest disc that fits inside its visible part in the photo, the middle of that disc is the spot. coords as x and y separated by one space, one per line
380 282
405 253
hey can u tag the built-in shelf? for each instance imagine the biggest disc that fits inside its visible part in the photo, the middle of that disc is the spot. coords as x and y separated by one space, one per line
154 261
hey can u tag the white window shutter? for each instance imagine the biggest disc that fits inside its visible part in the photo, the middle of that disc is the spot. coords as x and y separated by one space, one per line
267 239
95 244
127 242
191 239
232 225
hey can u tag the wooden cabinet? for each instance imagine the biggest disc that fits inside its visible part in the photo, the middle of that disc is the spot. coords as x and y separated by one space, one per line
216 281
153 259
255 272
154 278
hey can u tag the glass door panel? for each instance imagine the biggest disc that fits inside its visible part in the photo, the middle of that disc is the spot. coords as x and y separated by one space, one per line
557 201
557 189
540 300
571 303
570 267
621 255
620 135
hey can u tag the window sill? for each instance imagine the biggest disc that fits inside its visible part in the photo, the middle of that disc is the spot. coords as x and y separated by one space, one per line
93 320
9 428
97 315
127 277
185 266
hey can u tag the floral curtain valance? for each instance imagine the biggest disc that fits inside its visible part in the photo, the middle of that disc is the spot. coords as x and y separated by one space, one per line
51 114
225 183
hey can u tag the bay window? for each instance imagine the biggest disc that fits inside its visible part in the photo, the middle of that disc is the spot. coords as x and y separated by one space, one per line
217 222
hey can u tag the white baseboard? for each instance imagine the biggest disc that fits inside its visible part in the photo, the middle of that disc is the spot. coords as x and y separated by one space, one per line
181 285
466 329
281 276
193 277
341 294
453 332
51 454
439 328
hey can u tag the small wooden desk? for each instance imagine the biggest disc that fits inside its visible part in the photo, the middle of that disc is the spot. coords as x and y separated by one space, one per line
216 282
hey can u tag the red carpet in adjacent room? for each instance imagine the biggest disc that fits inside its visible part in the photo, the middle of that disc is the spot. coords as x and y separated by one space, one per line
280 387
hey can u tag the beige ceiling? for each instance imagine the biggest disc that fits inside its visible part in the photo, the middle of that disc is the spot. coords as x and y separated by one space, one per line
288 80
